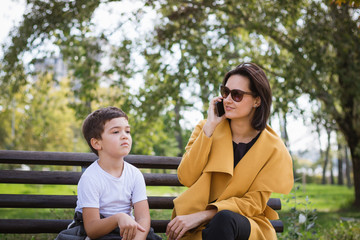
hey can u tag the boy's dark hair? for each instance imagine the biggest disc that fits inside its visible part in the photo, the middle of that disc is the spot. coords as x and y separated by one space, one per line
259 84
94 123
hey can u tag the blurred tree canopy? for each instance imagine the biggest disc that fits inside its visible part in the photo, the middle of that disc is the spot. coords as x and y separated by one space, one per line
306 47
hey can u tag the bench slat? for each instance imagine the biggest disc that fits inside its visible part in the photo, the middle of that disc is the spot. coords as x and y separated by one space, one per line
39 177
69 201
33 225
82 159
160 225
55 226
65 201
72 178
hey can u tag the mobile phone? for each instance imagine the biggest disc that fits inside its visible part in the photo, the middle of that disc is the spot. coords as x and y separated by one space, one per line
219 109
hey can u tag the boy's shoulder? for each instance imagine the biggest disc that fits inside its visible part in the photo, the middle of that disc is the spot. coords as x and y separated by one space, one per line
93 166
91 169
131 168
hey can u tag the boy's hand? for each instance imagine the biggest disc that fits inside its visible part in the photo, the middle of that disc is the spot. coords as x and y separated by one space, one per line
128 226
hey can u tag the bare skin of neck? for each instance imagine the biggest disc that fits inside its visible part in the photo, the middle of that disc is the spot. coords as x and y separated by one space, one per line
115 168
242 131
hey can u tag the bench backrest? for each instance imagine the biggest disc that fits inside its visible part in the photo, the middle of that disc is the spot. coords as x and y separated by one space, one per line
71 178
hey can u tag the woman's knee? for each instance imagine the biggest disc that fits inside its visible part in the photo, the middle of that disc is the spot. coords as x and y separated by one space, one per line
224 215
228 225
223 218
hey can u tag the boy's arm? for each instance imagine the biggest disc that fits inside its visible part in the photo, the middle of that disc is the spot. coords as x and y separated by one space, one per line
142 216
96 227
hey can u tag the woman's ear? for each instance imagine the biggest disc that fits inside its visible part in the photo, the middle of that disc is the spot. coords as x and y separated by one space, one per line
257 102
95 143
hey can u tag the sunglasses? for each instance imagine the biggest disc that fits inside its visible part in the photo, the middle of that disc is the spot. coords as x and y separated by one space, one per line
236 94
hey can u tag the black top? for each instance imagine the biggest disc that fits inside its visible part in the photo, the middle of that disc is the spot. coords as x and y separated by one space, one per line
241 149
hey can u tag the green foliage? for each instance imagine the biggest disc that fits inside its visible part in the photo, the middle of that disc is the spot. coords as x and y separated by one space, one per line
41 21
82 55
305 47
344 230
39 118
321 206
302 219
155 137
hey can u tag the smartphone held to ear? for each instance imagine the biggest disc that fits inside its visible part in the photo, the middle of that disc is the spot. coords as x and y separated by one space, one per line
219 109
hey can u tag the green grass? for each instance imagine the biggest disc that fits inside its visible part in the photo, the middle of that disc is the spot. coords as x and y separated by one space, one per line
37 189
164 191
325 198
332 203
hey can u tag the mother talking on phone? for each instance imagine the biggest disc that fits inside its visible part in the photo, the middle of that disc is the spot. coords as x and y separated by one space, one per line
232 164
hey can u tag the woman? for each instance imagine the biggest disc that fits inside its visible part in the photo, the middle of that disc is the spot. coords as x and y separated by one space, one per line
232 164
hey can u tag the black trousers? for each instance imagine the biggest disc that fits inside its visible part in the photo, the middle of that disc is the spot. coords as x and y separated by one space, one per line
227 225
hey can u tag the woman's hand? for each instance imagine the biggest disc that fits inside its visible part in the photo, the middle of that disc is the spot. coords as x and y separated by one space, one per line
181 224
212 120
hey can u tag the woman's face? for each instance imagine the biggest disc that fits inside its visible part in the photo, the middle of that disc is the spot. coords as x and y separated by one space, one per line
246 107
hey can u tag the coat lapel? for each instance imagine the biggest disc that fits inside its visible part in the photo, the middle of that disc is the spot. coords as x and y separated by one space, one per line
221 161
246 170
249 166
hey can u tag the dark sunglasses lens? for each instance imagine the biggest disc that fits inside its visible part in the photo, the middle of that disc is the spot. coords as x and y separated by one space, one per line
224 91
237 95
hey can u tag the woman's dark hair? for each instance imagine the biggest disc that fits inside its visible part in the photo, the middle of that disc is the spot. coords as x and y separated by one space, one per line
259 84
94 123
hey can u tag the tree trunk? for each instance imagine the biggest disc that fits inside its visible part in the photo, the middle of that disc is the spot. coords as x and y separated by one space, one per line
319 139
13 105
323 181
346 67
356 170
284 134
332 179
88 106
354 145
178 132
349 129
347 169
283 127
340 165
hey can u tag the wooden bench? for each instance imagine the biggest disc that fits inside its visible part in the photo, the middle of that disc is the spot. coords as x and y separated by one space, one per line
71 178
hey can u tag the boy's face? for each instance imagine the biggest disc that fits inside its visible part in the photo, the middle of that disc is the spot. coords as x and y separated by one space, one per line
116 140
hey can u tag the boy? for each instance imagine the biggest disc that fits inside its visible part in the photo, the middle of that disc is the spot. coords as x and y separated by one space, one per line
109 187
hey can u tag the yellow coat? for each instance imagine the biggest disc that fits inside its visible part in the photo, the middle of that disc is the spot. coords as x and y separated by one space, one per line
207 169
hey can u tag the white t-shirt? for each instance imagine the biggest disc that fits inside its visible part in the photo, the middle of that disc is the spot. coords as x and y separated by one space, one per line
111 195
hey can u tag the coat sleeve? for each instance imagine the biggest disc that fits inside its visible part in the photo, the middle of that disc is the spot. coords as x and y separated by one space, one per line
196 156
